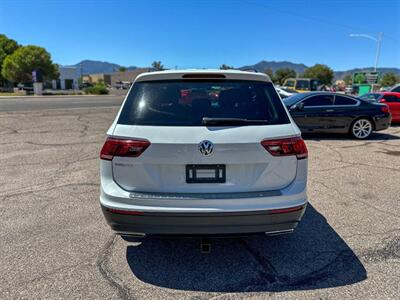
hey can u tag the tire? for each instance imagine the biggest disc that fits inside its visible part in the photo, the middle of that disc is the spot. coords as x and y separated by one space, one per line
361 128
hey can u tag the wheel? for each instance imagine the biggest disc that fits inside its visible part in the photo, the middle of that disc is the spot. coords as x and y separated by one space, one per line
361 129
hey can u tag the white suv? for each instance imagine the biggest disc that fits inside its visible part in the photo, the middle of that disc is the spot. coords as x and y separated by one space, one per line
203 152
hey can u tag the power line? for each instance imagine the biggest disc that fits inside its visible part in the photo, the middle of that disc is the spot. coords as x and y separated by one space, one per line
310 18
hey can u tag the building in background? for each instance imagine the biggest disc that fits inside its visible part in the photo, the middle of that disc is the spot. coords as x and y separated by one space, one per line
68 80
120 79
97 78
116 79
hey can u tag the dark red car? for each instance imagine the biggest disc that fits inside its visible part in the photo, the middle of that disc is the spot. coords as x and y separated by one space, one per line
391 99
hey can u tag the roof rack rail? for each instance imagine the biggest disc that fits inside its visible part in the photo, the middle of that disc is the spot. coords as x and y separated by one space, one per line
249 70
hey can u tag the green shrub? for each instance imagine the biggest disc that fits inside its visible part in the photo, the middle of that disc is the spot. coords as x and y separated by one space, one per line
97 89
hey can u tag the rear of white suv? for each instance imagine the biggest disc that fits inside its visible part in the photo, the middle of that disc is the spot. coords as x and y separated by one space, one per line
203 153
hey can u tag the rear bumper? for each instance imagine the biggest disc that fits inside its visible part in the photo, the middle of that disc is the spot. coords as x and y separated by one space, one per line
218 223
382 123
135 212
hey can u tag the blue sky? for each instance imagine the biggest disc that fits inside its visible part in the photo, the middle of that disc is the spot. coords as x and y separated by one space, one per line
207 33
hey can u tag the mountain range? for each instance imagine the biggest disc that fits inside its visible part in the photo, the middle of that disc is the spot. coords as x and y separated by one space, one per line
263 65
93 66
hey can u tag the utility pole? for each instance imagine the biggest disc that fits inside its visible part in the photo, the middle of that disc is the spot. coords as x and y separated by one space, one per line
378 49
377 39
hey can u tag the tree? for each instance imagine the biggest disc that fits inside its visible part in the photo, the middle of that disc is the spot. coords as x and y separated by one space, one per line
321 72
7 47
270 73
348 80
282 74
157 65
3 55
225 67
122 69
18 66
389 79
360 78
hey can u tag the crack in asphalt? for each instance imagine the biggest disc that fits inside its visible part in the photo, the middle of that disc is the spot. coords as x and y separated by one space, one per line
348 164
356 199
85 125
368 234
268 272
105 271
47 275
390 250
66 164
12 130
53 272
322 273
7 196
61 144
276 282
389 152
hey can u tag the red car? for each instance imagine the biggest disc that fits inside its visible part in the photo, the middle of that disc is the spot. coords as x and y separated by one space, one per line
391 99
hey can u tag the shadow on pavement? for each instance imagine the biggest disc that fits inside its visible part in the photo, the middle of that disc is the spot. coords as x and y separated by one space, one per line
313 257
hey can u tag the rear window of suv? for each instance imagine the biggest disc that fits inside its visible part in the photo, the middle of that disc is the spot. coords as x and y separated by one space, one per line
187 102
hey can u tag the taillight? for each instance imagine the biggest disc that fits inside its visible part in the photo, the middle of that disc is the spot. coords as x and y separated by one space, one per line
384 109
121 147
286 147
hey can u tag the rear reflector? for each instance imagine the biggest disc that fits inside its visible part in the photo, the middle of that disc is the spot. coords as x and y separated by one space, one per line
203 75
286 147
121 147
124 212
286 210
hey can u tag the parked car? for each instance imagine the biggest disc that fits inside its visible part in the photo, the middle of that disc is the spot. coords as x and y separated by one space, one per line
302 85
391 99
284 93
85 85
230 162
395 89
348 90
25 86
123 85
337 113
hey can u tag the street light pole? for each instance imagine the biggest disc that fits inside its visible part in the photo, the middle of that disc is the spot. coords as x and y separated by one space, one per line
377 39
378 49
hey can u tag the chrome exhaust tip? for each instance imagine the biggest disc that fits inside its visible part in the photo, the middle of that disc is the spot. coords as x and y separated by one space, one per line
132 237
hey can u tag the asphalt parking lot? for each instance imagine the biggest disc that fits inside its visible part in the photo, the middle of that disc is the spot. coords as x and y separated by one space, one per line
56 244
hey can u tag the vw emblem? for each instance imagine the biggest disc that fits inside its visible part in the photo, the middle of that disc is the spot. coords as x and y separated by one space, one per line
206 147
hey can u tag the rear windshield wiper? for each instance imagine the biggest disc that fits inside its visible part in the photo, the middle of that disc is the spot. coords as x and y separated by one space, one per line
232 121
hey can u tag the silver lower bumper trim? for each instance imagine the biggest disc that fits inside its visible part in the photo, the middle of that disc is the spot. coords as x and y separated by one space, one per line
279 232
194 196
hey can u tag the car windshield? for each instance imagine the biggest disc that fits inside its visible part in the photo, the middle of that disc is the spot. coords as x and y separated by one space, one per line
289 101
371 97
302 85
203 103
289 83
396 89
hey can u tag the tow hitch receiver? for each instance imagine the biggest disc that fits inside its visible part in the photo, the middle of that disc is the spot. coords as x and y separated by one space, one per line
205 246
